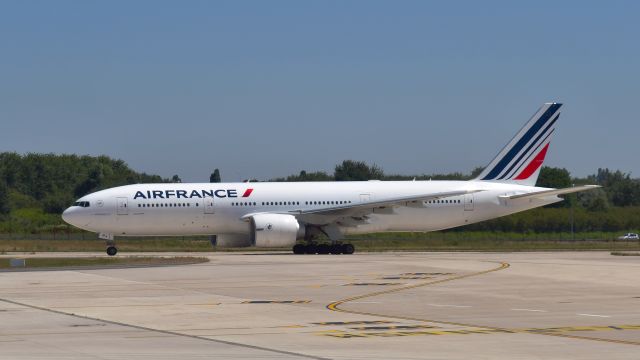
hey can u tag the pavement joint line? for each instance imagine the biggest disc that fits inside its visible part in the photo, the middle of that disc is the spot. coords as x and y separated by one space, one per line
372 284
594 315
167 332
276 302
335 306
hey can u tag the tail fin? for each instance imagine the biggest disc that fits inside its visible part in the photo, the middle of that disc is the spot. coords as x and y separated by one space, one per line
520 161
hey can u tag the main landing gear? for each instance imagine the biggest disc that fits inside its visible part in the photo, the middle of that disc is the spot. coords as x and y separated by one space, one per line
313 248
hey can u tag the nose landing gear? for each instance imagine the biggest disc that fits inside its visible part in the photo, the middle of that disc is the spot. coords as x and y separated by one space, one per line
111 243
112 250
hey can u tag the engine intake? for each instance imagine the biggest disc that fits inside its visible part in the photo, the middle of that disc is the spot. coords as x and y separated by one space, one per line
275 230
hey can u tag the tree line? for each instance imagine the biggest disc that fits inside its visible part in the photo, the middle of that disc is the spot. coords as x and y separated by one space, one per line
36 188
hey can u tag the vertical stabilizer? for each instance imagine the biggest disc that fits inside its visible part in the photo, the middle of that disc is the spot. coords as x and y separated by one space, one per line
520 161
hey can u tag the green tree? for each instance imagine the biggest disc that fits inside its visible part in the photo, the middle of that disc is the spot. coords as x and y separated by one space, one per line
4 198
593 200
351 170
49 181
306 176
215 176
553 177
176 179
621 189
56 202
91 183
476 171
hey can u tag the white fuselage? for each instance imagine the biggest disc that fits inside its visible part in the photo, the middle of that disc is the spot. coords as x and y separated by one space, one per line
219 208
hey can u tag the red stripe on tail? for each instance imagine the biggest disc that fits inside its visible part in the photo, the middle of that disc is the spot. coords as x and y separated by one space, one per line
533 165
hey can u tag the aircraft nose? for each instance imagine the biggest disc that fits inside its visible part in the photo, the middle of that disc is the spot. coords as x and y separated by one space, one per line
77 216
66 215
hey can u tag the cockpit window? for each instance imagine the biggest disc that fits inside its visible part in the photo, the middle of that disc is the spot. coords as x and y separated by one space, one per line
81 203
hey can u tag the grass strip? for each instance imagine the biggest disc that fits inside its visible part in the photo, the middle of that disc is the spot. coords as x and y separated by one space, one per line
625 253
55 262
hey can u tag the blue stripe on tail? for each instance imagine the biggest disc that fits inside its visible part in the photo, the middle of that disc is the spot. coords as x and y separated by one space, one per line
526 153
522 142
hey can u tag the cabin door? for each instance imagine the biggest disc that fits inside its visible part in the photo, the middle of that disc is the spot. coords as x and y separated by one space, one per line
208 205
468 202
122 207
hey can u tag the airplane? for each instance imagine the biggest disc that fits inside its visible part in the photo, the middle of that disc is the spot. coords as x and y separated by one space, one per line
278 214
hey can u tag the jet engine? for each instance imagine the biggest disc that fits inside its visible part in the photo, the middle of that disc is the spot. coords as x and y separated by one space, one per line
275 230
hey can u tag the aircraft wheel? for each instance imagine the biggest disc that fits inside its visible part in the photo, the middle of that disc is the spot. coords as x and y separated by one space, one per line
111 250
335 249
299 249
348 249
324 249
311 249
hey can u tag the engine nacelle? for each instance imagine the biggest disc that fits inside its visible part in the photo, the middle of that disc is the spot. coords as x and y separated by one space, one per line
232 240
275 230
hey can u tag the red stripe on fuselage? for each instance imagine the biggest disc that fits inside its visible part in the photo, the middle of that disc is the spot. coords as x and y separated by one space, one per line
533 165
247 193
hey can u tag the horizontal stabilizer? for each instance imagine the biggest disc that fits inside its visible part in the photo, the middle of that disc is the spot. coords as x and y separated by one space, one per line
545 193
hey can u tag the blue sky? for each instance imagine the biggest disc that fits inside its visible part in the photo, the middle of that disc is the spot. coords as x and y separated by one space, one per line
268 88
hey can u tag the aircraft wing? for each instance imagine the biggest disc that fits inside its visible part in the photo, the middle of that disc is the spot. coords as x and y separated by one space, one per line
371 205
355 212
545 193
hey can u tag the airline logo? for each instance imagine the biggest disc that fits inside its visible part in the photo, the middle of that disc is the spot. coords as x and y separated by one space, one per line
185 194
524 155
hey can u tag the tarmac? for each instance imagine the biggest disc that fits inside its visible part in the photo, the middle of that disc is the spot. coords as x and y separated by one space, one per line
551 305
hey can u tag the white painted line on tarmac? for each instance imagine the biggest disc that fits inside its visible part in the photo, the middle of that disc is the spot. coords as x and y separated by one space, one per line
594 315
446 305
532 310
364 302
